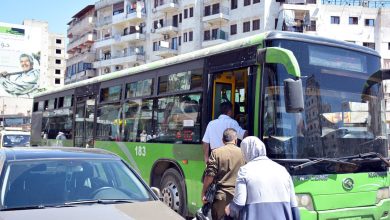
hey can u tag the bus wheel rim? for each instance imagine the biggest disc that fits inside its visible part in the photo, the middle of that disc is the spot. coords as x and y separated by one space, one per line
170 195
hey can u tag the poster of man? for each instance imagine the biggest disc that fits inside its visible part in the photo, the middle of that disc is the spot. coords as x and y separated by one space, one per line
21 83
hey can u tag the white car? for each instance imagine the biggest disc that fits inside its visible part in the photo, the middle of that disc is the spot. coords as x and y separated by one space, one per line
14 138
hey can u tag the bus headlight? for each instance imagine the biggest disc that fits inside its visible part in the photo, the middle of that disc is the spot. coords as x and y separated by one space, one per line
305 201
383 193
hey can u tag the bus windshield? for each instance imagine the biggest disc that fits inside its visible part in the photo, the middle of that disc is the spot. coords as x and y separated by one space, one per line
344 110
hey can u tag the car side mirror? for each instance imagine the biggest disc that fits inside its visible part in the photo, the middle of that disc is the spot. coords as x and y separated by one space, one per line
156 191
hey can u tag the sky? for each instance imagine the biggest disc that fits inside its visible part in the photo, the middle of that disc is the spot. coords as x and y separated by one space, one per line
56 12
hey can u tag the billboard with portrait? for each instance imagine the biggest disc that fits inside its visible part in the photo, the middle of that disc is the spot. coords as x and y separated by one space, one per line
20 56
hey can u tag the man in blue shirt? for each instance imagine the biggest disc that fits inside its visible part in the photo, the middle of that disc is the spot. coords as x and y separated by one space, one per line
212 138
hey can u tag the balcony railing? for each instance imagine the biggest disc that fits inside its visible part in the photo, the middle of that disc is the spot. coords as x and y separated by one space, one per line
167 27
367 3
298 2
82 23
136 10
166 2
104 3
169 51
218 35
166 6
167 23
76 41
130 57
214 11
104 21
139 54
135 15
216 15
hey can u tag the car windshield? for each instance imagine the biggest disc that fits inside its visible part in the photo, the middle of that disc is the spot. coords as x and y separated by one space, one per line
16 140
57 182
344 109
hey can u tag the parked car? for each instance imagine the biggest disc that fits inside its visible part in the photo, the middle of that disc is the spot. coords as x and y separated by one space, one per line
14 138
74 183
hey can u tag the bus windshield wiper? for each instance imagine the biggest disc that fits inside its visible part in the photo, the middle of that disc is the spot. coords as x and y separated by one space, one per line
320 160
100 201
369 156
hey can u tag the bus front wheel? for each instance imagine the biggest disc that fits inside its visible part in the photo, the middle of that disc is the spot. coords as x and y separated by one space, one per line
172 190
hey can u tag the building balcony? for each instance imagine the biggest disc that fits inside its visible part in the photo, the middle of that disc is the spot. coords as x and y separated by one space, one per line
133 37
101 22
296 20
166 6
218 37
107 41
368 4
86 57
129 58
300 2
168 27
165 51
215 16
80 42
133 16
104 3
80 26
186 2
83 75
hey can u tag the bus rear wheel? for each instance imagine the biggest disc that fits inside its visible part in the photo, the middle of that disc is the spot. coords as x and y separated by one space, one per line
172 190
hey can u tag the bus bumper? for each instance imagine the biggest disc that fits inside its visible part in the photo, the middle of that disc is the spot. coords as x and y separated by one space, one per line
380 211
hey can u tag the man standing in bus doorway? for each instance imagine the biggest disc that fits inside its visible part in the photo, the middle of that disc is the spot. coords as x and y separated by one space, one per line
222 169
213 136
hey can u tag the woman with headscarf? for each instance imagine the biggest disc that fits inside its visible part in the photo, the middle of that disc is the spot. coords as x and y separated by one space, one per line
264 189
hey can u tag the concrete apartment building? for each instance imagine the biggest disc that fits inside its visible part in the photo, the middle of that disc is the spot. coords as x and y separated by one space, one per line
47 55
81 34
57 60
127 33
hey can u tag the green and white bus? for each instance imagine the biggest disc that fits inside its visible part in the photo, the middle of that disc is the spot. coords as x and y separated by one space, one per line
316 103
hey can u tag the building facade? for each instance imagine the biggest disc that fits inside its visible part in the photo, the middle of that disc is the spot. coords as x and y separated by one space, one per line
57 60
28 57
81 33
128 33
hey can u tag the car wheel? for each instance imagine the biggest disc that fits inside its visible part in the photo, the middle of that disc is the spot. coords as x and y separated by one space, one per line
172 190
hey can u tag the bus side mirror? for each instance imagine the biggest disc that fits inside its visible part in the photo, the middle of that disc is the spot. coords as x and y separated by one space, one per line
293 91
293 95
281 56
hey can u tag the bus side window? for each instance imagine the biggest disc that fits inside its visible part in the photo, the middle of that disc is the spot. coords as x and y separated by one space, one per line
178 119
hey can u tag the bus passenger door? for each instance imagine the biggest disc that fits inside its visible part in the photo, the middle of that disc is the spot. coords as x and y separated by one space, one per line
84 121
232 86
223 91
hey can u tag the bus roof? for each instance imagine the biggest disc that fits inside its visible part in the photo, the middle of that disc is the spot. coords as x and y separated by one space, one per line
225 47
